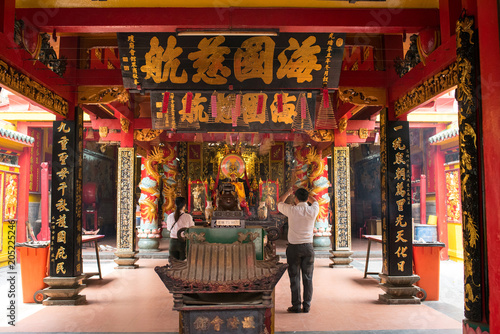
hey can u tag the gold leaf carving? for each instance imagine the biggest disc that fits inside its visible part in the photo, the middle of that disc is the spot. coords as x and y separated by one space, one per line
146 134
16 81
125 123
103 131
102 95
439 83
321 135
363 95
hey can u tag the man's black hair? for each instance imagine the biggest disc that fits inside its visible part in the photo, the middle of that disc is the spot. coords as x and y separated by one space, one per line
302 194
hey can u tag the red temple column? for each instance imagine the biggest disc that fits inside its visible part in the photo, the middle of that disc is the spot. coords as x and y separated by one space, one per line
442 227
23 193
489 53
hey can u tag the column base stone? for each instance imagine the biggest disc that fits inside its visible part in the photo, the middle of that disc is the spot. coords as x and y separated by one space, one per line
399 289
126 259
64 291
341 259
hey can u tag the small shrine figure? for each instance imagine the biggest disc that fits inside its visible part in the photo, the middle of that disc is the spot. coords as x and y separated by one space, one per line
232 169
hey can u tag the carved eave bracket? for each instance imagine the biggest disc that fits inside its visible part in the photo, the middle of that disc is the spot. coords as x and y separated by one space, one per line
439 83
366 96
102 95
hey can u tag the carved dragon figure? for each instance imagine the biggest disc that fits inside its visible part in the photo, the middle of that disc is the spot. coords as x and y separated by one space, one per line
318 178
169 181
312 173
150 193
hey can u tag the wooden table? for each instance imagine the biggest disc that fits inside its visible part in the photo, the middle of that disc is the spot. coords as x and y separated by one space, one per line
376 238
93 238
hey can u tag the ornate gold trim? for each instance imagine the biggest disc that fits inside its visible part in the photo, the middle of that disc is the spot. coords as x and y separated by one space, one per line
125 204
16 81
102 95
342 195
125 124
146 134
363 133
363 95
342 124
321 136
439 83
103 131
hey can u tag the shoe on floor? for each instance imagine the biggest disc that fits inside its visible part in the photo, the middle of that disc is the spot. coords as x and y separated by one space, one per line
292 309
305 310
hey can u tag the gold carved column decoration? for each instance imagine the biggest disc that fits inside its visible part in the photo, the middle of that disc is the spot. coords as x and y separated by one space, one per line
341 248
125 233
474 234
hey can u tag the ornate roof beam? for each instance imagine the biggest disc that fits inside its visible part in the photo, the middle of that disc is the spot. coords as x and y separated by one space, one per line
102 20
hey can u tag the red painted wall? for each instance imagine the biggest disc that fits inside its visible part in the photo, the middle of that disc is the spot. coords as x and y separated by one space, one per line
489 46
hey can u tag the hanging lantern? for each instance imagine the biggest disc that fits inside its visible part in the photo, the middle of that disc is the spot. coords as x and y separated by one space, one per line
164 106
214 104
189 101
280 103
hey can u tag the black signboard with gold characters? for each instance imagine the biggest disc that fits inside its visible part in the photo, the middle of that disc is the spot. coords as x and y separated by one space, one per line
398 203
65 225
229 110
288 61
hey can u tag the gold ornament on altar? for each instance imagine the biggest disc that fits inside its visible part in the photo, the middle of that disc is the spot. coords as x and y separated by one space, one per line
125 123
103 131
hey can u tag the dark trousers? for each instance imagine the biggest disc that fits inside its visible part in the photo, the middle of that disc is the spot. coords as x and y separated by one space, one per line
177 249
300 258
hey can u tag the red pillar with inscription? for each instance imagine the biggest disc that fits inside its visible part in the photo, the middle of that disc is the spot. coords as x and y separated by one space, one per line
440 187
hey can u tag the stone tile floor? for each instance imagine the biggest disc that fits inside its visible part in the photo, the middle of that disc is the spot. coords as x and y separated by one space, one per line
343 302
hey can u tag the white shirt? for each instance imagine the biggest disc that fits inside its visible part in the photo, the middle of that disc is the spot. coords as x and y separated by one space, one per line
185 220
301 218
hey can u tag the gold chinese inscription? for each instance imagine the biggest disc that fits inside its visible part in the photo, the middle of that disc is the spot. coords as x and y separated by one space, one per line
162 64
61 206
254 59
205 323
302 61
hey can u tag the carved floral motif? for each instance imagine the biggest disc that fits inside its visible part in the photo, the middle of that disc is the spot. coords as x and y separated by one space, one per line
125 206
342 195
437 84
16 81
146 134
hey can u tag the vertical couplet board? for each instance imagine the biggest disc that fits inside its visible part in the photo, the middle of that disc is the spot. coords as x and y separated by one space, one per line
66 206
125 205
396 205
342 197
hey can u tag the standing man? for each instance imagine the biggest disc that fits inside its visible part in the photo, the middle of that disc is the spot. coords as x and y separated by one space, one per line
300 252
